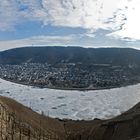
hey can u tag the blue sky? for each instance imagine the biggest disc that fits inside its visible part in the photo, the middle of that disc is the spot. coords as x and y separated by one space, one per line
87 23
29 29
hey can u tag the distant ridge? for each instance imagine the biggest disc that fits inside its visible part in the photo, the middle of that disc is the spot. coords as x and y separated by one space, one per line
52 55
21 123
71 67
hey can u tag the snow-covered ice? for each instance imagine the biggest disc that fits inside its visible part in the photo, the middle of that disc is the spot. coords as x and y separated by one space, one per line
73 104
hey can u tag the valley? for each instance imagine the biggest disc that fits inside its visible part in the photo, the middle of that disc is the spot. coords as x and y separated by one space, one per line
73 104
63 68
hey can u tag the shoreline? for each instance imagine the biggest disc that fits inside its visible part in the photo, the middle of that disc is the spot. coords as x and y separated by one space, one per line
69 89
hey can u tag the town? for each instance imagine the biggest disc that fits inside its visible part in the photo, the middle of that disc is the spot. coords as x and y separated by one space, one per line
68 75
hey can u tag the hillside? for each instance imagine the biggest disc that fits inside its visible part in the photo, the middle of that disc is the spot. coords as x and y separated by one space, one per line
21 123
52 55
71 67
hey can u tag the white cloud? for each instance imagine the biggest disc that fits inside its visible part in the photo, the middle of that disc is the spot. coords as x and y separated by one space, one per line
8 15
89 14
13 12
120 16
130 29
37 41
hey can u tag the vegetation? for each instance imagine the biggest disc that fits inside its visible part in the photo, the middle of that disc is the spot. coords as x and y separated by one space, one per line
53 55
20 123
72 67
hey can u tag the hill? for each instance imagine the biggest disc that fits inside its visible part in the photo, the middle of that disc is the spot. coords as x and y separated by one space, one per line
52 55
21 123
71 67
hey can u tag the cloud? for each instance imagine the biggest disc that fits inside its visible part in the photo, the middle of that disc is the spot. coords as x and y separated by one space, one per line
14 12
130 29
86 40
8 15
90 14
119 16
37 41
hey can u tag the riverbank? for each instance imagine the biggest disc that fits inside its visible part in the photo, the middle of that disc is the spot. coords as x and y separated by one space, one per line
63 88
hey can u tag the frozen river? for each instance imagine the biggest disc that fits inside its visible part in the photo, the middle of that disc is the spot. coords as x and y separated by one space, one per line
73 104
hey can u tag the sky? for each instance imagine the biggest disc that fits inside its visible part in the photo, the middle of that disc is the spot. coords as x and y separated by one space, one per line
87 23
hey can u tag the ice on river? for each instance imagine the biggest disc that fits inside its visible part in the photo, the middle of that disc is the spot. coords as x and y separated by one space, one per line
73 104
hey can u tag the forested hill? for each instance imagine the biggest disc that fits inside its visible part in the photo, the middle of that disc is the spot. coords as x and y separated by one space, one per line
53 55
